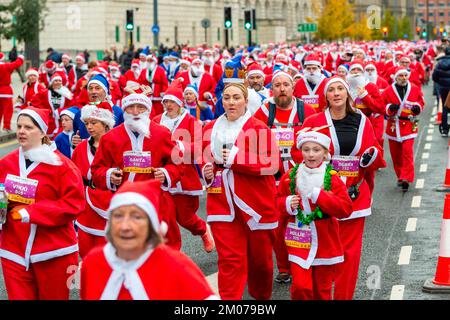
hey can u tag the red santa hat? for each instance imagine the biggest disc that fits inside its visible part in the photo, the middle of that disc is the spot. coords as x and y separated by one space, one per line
254 68
335 79
80 56
144 194
50 65
282 58
175 92
2 56
32 71
398 71
102 112
313 59
56 76
113 66
357 64
313 136
370 64
404 57
135 62
152 57
41 116
65 56
137 98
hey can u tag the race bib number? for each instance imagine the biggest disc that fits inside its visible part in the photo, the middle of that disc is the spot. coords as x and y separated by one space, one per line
20 189
347 166
311 100
137 161
285 137
298 237
216 186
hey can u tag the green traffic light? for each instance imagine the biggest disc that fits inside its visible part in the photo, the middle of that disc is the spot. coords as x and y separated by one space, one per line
129 26
424 34
248 26
228 24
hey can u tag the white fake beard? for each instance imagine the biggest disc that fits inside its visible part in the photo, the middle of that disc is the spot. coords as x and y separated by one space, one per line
136 73
141 125
196 72
115 75
308 178
314 78
208 61
43 154
151 66
356 80
371 78
65 92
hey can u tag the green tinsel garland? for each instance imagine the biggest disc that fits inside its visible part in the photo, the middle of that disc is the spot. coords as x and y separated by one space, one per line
317 213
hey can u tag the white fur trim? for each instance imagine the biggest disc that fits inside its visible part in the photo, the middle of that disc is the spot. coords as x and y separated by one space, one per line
204 177
33 114
315 195
136 98
25 215
233 152
68 113
168 180
93 112
250 73
31 72
281 73
133 198
288 205
313 136
110 186
99 83
173 98
399 72
334 80
374 156
356 65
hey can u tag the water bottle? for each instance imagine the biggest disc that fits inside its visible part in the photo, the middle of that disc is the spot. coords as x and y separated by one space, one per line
3 204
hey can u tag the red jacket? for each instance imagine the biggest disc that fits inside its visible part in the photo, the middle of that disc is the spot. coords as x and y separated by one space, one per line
157 80
6 69
94 217
59 199
216 71
207 85
29 91
245 169
326 248
316 98
186 280
185 131
402 129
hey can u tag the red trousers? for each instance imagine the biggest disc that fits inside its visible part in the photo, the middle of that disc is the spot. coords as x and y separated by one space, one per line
173 236
186 209
46 280
402 154
244 255
351 234
87 241
6 112
312 284
378 125
279 246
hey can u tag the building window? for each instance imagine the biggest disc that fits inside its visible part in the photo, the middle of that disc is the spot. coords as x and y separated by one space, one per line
441 14
430 14
421 14
117 34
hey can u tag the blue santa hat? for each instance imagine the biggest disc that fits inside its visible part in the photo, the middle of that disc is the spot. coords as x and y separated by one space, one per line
101 80
70 112
192 88
145 51
234 70
174 54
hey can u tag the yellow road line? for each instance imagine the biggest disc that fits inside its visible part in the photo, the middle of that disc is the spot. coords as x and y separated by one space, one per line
7 144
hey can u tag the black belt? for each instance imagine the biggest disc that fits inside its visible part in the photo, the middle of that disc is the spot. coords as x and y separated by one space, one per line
88 183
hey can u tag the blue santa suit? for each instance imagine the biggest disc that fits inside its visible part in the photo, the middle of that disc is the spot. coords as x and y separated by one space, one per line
64 143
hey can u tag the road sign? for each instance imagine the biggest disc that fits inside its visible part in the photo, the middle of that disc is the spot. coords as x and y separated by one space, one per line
206 23
307 27
155 29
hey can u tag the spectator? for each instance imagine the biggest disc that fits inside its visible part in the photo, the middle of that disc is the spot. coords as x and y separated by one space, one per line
441 75
12 57
86 55
53 55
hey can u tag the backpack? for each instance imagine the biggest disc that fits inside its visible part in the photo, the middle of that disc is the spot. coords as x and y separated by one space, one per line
300 113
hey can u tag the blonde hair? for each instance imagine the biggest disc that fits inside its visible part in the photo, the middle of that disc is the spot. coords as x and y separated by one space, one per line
240 86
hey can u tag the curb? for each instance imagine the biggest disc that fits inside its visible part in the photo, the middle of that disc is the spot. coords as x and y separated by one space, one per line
7 137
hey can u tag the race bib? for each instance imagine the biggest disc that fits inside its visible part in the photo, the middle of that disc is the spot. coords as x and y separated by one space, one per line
285 137
216 186
407 106
312 100
20 189
359 104
137 161
347 166
298 237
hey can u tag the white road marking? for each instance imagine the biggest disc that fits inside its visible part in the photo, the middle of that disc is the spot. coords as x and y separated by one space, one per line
213 282
429 138
427 146
420 183
431 125
411 225
430 131
423 167
405 255
434 110
397 292
415 203
425 155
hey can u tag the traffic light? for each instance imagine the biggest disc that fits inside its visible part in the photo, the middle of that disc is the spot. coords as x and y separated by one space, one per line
418 31
441 30
424 32
248 20
253 19
227 18
385 31
130 23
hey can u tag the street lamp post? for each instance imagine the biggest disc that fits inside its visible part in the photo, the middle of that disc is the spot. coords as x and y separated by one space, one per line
426 20
155 23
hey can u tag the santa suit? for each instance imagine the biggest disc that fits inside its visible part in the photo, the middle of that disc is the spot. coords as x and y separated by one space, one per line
130 76
312 261
215 71
80 92
29 90
388 65
36 254
280 129
110 156
314 97
332 61
44 100
6 91
187 191
351 229
92 221
63 143
242 217
205 84
105 276
418 67
71 76
157 80
400 131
